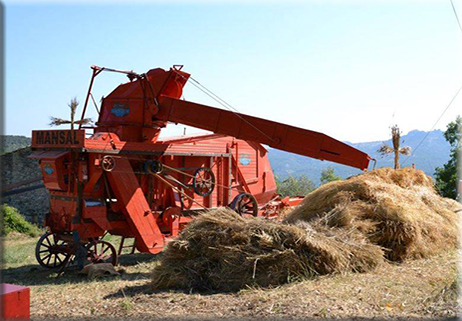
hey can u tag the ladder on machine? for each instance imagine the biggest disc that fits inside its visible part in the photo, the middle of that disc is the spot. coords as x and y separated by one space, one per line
122 246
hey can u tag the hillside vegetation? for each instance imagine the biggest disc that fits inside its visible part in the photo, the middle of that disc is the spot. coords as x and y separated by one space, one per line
11 143
14 222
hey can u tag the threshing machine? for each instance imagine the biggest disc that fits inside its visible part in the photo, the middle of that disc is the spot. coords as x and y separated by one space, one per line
126 181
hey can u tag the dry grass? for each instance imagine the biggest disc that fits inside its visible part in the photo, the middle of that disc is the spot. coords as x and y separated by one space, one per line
220 250
56 121
396 209
327 239
343 226
415 289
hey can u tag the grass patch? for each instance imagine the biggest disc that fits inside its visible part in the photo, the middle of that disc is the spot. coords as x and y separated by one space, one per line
416 288
14 222
18 249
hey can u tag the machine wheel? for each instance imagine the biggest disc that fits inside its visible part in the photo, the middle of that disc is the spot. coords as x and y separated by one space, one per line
108 163
50 252
153 167
203 181
101 252
245 204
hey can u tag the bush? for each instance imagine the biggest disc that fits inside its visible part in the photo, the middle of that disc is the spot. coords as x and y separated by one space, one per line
293 186
14 222
328 175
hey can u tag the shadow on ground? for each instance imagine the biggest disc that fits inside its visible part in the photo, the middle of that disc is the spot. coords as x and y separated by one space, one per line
134 290
130 291
34 274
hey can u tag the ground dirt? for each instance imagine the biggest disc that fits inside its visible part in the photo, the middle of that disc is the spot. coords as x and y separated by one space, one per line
424 288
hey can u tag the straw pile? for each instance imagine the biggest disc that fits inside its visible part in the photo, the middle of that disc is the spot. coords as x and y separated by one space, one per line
398 210
221 250
350 225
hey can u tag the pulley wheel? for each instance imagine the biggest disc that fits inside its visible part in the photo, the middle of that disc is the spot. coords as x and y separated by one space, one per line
50 251
203 181
245 204
108 163
153 167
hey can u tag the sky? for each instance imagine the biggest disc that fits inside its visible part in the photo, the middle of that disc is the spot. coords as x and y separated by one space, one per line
349 69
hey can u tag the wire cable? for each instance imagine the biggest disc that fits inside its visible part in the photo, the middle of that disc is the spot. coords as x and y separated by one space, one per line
450 103
222 102
434 125
94 103
178 190
457 17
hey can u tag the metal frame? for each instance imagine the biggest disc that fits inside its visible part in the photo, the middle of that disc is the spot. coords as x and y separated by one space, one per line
144 203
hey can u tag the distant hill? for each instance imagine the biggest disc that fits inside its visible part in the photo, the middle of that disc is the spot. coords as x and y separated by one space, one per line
12 143
433 152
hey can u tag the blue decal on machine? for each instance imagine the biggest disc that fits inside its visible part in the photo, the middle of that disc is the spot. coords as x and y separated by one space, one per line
48 169
244 159
120 110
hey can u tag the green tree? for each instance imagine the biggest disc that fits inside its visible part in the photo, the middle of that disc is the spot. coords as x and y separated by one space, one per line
293 186
328 175
446 177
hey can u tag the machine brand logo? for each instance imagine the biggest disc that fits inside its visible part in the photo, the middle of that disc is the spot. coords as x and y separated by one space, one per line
48 169
120 110
57 137
245 159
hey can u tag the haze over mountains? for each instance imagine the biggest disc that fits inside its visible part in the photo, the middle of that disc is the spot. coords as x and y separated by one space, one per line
433 152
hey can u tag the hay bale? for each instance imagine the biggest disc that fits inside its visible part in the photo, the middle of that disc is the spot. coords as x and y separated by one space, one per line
350 225
398 210
220 250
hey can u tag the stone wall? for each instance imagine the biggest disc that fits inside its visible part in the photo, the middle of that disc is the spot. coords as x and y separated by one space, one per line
16 167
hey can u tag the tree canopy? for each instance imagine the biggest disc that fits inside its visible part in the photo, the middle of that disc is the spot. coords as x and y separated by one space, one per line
446 177
328 175
293 186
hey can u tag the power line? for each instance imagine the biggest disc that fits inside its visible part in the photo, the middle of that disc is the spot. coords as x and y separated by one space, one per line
222 102
434 125
457 17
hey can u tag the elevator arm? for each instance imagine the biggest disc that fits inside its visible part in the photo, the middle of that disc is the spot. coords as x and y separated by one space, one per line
280 136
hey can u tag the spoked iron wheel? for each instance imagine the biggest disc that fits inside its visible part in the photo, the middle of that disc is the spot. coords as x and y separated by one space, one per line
101 252
246 204
203 181
51 252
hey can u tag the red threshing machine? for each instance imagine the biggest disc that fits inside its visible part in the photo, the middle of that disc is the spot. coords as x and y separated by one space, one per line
126 181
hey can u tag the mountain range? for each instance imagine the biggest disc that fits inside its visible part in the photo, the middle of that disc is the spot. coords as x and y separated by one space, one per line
433 152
